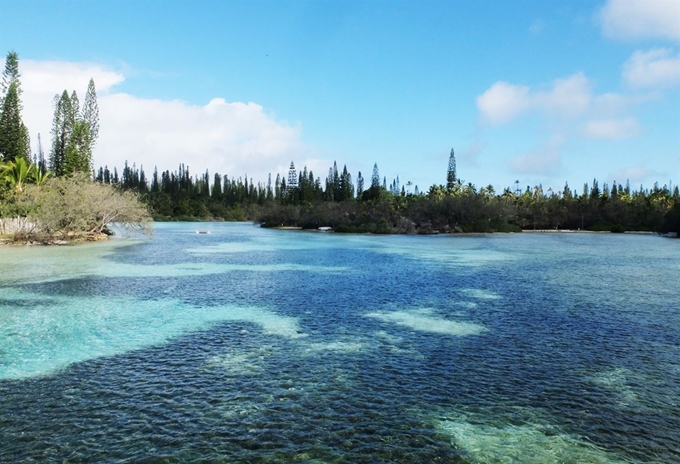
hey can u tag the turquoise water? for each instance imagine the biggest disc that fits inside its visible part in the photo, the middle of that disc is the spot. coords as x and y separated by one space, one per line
254 345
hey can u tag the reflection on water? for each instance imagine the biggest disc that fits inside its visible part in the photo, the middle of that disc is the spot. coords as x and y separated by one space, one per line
252 345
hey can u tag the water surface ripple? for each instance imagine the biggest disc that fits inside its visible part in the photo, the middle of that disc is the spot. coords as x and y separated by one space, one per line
251 345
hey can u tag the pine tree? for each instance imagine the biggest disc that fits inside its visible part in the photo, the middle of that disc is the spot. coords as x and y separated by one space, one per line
337 195
90 113
270 191
62 126
375 178
10 74
77 156
13 132
451 178
75 106
292 176
360 185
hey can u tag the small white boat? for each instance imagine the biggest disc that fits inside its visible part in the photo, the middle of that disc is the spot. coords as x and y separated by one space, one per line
202 231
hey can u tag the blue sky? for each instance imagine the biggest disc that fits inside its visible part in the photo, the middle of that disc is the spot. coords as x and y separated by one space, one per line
535 91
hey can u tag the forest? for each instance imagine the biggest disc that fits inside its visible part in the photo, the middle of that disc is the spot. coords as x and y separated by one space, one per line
302 200
47 194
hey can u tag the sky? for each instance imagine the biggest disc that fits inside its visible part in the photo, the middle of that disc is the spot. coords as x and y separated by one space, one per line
530 91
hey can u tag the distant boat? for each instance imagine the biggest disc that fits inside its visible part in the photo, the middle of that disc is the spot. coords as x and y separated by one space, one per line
202 231
325 229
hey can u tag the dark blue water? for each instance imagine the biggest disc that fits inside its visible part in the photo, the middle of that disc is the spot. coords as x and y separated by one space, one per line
251 345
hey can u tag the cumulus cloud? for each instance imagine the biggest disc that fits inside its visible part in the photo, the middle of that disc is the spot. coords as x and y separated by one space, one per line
567 97
231 138
641 19
613 129
658 67
50 77
502 102
611 104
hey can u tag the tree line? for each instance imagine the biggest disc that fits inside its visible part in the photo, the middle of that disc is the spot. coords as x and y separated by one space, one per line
303 200
299 198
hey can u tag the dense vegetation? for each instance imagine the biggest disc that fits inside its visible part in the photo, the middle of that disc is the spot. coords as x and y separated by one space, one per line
305 201
64 202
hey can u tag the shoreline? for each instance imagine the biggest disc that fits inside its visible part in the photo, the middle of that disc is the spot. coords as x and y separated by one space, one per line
530 231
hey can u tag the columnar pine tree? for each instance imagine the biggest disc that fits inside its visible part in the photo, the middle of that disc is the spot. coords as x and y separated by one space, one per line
375 178
90 113
77 156
451 178
11 73
292 176
62 126
14 138
74 132
75 106
360 185
13 132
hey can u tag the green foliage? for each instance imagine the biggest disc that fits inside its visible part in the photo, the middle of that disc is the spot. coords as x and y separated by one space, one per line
90 113
451 172
62 126
16 173
375 177
77 156
77 207
10 75
74 132
14 141
671 221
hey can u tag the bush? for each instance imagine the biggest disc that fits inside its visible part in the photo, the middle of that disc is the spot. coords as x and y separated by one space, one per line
77 207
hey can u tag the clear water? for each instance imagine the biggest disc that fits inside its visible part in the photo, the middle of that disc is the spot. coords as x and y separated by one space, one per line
253 345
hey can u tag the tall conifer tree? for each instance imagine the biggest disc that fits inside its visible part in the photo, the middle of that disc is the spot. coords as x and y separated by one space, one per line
62 126
13 133
451 178
14 139
375 178
90 113
11 73
360 185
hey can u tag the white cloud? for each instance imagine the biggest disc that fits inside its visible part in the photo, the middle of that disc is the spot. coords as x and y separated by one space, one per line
51 77
612 104
658 67
640 19
567 97
231 138
502 102
613 129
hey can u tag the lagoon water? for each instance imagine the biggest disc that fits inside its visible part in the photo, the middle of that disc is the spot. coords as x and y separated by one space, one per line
253 345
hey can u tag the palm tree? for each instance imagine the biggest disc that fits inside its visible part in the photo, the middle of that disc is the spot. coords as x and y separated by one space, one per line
17 172
39 176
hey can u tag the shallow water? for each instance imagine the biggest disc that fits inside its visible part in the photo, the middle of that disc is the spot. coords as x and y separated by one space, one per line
253 345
